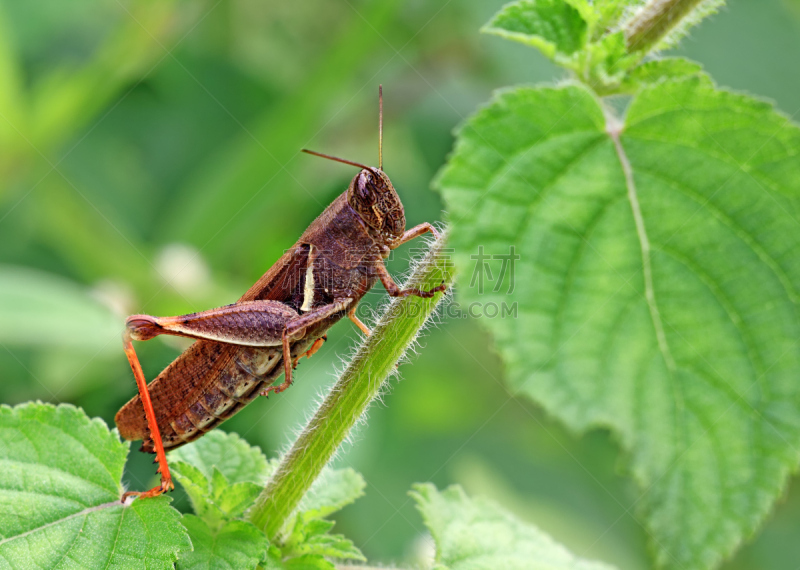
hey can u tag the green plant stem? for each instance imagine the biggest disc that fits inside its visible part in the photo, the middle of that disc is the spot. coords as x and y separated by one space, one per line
655 21
360 383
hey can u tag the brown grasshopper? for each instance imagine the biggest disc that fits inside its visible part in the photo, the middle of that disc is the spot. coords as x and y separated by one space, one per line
241 349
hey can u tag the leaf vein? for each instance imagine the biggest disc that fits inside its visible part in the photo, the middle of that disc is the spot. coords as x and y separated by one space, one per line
757 177
571 163
735 317
61 520
644 245
737 228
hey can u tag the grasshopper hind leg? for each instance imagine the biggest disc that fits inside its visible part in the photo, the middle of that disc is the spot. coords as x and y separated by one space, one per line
161 457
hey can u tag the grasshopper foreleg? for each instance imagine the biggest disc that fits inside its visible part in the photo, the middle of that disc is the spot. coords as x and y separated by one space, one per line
395 291
386 278
417 231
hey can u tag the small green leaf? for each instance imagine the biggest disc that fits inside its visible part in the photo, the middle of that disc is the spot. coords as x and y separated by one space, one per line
659 70
555 27
657 288
316 527
310 537
222 474
333 490
235 499
473 534
604 64
229 453
199 491
237 544
274 561
60 496
331 546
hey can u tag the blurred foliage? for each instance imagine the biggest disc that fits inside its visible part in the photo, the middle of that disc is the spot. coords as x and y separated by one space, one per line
149 162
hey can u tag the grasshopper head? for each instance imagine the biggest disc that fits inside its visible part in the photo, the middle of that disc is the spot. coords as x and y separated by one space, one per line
373 197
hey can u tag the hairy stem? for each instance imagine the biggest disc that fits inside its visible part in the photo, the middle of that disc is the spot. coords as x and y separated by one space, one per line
359 385
655 21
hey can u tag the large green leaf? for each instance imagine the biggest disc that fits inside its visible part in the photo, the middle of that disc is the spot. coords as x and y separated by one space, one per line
477 534
60 497
657 288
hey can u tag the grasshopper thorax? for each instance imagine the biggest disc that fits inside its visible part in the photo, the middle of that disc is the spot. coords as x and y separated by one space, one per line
374 199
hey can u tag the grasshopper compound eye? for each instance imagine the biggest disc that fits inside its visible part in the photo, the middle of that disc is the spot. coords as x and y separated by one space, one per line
363 191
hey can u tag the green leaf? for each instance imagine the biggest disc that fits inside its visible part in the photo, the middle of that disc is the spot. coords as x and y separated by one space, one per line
659 70
234 499
663 306
604 64
41 309
274 561
555 27
333 490
331 546
60 496
230 454
198 489
477 534
222 475
237 544
310 537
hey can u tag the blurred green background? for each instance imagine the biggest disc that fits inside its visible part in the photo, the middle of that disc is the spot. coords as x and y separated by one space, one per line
149 162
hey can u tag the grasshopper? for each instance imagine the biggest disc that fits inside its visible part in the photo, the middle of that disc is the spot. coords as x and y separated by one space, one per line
242 349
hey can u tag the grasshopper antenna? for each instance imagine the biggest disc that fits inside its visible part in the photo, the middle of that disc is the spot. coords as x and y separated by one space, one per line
380 127
337 159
